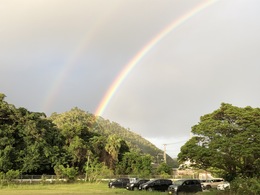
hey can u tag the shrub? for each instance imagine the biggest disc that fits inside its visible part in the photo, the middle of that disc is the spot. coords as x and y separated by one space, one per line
95 171
11 175
2 178
242 186
70 173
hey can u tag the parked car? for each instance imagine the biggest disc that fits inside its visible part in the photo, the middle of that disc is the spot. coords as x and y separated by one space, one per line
156 185
135 185
212 183
223 186
185 186
118 183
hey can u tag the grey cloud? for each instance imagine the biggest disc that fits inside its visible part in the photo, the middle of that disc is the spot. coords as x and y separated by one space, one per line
211 58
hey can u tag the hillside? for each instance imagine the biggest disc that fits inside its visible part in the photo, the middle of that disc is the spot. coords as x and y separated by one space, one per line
134 140
33 143
104 127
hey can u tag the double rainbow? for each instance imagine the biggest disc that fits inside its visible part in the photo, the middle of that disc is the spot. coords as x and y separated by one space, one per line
128 67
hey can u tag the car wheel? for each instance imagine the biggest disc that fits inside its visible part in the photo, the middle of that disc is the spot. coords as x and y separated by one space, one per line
150 189
113 187
136 188
208 187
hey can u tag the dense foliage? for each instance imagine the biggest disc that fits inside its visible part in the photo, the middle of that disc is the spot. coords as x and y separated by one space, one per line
242 186
136 141
68 144
28 141
226 141
136 164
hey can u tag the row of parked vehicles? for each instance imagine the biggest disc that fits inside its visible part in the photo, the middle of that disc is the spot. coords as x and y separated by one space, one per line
172 187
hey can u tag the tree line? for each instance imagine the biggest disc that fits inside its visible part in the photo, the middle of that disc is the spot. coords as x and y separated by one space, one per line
225 142
67 144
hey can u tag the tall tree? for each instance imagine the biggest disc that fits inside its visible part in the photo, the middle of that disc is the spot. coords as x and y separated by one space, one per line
37 142
227 139
7 135
75 126
27 140
115 147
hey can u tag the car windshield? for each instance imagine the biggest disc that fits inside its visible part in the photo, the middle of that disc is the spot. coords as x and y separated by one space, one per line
150 181
142 181
121 180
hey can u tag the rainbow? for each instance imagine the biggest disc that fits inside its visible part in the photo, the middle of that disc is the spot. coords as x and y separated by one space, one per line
73 57
67 68
140 55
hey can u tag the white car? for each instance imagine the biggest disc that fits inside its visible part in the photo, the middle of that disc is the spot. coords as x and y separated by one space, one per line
223 186
212 183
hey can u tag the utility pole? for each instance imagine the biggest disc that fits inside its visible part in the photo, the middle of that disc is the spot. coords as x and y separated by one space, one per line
164 153
164 146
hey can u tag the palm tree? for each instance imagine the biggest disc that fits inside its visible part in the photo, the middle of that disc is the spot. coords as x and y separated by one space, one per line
113 147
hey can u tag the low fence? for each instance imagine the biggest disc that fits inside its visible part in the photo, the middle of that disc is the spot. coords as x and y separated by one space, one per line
30 179
39 179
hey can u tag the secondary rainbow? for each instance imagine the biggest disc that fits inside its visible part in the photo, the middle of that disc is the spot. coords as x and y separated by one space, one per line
140 55
71 61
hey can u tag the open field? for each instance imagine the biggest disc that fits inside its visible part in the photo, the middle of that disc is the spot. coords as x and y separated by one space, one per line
73 189
67 189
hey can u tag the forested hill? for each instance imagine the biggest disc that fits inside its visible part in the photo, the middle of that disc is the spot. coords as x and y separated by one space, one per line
32 143
106 128
135 140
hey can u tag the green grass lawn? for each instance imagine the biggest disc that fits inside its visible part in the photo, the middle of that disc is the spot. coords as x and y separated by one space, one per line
68 189
77 189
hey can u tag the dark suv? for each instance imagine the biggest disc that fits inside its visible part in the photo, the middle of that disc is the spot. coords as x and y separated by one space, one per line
186 185
157 184
135 185
118 183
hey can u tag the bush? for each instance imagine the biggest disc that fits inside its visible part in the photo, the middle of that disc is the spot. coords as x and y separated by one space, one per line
246 186
2 178
96 171
11 175
6 178
70 173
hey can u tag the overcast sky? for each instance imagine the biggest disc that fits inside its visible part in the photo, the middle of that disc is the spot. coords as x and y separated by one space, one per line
60 54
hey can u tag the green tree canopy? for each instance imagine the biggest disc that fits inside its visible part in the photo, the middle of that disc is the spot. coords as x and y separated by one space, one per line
227 140
163 168
29 142
82 138
75 127
136 164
